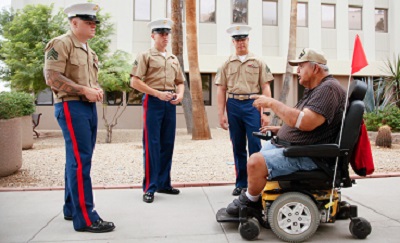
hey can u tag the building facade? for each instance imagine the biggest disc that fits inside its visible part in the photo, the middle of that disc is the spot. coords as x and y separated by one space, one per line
328 25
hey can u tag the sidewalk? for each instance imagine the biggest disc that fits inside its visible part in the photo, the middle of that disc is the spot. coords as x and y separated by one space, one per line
36 216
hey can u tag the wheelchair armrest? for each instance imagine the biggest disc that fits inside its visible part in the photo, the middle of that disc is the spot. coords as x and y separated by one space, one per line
317 150
263 136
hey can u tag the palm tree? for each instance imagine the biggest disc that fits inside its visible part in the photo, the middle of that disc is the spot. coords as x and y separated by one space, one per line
201 129
177 50
291 55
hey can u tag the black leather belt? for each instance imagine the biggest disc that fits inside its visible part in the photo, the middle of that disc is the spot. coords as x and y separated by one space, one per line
166 90
281 142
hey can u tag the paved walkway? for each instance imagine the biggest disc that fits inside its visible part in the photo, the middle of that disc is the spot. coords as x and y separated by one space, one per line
36 216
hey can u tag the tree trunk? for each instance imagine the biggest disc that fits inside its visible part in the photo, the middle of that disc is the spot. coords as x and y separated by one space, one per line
177 50
109 125
201 129
291 55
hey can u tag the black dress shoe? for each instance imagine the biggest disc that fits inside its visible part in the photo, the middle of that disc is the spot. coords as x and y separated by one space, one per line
237 191
148 197
171 190
99 226
68 217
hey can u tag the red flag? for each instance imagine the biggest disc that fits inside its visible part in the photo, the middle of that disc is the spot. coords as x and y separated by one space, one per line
359 59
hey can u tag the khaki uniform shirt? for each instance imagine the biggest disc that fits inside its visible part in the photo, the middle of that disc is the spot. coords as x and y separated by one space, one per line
157 71
65 54
243 77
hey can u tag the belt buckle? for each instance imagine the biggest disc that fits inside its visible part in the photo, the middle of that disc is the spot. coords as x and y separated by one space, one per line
241 97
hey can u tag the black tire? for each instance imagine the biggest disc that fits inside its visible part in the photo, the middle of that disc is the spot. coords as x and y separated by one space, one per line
250 229
300 219
360 228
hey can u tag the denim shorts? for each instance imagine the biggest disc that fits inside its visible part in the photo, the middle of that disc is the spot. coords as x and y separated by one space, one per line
279 165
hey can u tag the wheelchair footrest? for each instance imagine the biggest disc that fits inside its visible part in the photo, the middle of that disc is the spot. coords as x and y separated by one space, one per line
222 216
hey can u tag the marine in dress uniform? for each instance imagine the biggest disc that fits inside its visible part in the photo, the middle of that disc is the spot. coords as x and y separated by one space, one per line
157 74
242 75
71 68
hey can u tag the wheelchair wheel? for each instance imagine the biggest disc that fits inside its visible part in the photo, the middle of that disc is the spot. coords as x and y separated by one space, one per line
360 228
250 229
294 217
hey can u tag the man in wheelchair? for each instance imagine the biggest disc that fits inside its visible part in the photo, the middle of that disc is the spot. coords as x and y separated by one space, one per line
306 163
316 119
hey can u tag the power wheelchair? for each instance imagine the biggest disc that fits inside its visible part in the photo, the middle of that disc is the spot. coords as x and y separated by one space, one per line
294 205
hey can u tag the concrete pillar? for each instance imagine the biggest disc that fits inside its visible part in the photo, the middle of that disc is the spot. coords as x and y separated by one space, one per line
342 26
255 21
224 20
368 25
394 30
314 26
284 26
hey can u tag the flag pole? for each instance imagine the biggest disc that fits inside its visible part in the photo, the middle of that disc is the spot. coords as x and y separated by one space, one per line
359 61
340 141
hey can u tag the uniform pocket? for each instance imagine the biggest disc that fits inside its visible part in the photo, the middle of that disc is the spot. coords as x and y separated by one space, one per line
232 76
252 73
59 111
172 70
78 70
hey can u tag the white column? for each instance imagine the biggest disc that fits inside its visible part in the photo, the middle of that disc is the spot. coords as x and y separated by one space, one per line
224 20
284 26
158 9
314 24
394 30
123 28
255 21
342 26
368 25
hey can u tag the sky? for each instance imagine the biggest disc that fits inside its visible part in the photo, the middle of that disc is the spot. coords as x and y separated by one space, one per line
4 3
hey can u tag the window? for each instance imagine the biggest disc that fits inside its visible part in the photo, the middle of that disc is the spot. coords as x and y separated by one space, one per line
206 86
142 10
45 97
270 12
381 20
239 11
134 97
114 98
328 16
207 11
169 9
302 20
355 18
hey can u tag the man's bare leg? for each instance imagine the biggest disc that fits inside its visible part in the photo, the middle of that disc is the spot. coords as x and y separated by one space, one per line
257 173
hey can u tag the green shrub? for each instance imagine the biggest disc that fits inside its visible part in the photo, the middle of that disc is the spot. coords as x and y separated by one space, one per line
389 116
16 104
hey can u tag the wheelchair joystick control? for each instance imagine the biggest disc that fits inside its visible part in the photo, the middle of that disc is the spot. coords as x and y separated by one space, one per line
265 136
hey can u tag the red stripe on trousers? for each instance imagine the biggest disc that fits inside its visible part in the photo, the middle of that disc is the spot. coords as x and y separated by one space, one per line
81 192
146 143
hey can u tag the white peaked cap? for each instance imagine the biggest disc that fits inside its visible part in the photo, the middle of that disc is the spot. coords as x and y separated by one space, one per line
81 9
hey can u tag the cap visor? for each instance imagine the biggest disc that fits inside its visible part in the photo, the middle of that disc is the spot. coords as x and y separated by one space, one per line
239 37
88 18
295 62
161 31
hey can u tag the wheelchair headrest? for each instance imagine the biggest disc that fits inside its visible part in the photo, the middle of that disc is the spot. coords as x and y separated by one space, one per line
357 90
